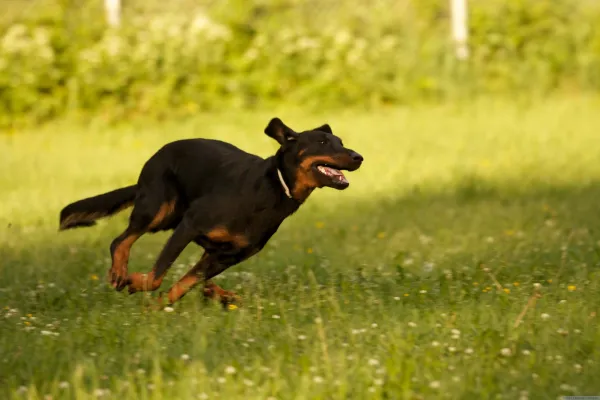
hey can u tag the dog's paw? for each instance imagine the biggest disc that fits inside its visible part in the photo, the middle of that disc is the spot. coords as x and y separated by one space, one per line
117 279
138 282
225 297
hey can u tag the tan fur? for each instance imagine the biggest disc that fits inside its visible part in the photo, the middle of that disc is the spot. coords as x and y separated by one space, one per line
305 180
222 235
164 211
121 255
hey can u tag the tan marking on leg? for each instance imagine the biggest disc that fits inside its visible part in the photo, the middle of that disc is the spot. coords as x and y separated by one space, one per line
189 280
164 211
121 255
183 286
144 282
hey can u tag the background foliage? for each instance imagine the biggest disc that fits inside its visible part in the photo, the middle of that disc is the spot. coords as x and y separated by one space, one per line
178 58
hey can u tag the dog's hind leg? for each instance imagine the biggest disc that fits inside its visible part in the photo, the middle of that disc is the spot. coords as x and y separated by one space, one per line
149 214
119 250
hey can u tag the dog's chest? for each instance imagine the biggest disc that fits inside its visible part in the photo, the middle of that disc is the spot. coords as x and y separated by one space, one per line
259 225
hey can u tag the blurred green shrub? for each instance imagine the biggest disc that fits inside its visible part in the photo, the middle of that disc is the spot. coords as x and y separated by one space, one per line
255 53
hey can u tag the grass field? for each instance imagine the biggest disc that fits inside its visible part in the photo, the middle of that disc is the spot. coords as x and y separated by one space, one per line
408 285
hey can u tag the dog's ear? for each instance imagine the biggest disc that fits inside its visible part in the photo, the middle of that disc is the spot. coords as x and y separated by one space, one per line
280 131
324 128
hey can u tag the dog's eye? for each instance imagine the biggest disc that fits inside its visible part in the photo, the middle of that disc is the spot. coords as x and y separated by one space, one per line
323 141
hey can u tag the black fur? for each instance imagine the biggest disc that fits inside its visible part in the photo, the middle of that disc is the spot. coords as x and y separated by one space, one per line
85 212
210 192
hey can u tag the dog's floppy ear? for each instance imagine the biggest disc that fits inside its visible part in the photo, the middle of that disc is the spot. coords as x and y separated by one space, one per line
324 128
280 131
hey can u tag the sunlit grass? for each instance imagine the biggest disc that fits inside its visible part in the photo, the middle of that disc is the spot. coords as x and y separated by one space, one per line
419 281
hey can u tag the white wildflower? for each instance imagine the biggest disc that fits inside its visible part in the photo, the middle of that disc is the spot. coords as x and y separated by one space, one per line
230 370
506 352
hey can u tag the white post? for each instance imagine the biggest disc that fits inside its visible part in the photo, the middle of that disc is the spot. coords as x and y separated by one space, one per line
459 27
113 12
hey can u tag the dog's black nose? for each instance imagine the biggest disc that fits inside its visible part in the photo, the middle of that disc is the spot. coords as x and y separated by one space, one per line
356 157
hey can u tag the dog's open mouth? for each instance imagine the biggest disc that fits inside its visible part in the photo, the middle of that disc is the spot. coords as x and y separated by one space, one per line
334 174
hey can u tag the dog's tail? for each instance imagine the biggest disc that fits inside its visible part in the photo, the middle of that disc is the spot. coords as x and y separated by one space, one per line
85 212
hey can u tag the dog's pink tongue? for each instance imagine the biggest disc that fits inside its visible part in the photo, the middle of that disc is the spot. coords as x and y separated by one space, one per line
334 173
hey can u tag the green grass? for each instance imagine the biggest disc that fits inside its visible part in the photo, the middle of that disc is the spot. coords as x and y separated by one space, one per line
356 296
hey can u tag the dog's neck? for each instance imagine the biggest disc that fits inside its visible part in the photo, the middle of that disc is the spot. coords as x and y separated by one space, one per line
288 181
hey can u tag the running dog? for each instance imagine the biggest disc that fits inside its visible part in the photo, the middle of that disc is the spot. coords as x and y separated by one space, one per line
212 193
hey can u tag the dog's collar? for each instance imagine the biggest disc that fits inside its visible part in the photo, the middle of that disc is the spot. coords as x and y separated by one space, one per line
285 187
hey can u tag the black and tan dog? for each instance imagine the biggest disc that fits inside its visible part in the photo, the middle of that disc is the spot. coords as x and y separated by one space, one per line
210 192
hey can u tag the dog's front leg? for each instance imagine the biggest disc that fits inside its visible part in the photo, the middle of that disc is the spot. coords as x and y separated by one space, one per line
209 266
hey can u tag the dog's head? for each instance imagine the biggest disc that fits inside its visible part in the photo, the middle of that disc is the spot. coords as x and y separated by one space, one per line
312 159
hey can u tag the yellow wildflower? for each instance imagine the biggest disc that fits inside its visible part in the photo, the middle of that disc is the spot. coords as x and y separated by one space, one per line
506 290
320 225
516 284
94 277
232 307
572 288
381 235
309 250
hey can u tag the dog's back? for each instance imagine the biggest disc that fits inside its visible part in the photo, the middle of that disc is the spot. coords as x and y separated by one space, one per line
198 167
